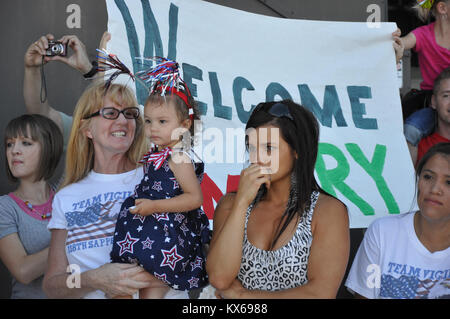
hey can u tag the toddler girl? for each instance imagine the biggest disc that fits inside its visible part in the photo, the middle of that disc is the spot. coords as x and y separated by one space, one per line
161 226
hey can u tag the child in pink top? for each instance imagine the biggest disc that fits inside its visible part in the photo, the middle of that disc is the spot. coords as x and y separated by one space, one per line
432 44
433 58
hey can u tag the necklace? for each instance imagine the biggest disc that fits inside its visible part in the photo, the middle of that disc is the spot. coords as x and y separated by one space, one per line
39 212
32 209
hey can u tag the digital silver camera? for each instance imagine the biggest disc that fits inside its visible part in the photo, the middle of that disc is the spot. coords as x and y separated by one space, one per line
56 48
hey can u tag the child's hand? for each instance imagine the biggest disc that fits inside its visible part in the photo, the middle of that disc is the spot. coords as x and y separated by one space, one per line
143 207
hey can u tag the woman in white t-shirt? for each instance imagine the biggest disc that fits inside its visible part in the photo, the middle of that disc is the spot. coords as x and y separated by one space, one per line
408 256
105 144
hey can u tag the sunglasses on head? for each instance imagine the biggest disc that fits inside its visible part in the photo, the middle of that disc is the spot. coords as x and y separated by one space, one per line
111 113
278 110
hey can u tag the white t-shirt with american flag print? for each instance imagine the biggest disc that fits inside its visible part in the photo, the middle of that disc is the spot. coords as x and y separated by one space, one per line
88 210
392 263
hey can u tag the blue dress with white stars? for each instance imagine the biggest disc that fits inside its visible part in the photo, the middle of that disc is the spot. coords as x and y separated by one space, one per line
169 246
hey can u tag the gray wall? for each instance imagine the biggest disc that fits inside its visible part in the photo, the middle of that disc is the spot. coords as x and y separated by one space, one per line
23 21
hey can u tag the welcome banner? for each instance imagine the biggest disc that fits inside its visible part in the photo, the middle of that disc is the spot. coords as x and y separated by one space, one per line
344 72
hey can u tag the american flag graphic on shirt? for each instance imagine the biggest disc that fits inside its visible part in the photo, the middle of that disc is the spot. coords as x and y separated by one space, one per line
410 287
96 221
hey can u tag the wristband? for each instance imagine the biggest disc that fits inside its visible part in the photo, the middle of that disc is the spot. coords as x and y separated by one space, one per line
93 71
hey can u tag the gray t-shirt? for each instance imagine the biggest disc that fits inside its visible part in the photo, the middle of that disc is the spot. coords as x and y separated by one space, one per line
67 127
34 236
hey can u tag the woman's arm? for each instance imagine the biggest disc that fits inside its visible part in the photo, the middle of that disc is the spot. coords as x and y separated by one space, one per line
401 44
409 41
32 76
113 279
56 275
23 267
192 196
327 261
225 252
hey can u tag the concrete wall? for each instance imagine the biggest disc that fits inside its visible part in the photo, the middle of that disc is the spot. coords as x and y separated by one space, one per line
23 21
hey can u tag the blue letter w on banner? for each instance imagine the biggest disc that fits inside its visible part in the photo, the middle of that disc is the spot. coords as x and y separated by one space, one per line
153 42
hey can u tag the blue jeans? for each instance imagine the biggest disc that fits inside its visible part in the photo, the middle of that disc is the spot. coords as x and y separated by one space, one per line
419 124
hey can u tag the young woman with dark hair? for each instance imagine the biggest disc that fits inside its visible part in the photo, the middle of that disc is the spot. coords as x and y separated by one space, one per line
33 146
409 254
289 238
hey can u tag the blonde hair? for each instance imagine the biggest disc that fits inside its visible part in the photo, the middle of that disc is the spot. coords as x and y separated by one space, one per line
423 13
80 150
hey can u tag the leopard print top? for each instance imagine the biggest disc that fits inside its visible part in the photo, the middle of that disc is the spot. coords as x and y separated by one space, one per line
284 268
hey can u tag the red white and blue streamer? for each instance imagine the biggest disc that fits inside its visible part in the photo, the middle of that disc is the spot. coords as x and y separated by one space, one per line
110 62
157 158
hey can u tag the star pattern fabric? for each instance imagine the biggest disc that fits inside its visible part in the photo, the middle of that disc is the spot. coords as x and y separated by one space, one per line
159 217
171 257
193 282
147 244
141 218
126 245
197 263
167 245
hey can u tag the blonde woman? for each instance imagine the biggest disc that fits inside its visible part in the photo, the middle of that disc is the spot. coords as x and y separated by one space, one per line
106 142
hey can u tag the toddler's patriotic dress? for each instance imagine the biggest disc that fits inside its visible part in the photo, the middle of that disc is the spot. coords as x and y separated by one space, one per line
169 246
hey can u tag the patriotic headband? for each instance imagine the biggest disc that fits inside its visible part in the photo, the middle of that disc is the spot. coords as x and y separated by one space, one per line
162 76
426 4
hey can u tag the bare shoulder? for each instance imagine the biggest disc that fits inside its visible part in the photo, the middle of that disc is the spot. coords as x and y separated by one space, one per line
179 158
181 166
329 210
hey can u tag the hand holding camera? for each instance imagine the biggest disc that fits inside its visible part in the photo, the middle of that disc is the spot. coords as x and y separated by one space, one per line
46 49
56 48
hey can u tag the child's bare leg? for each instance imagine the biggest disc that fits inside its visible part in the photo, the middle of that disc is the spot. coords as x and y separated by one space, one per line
157 290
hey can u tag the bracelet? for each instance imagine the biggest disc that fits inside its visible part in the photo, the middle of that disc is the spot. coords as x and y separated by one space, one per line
93 71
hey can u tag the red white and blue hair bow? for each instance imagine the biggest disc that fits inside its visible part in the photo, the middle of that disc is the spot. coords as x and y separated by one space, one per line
163 76
157 158
159 75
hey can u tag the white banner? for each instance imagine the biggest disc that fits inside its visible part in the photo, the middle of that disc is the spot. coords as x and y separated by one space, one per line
342 71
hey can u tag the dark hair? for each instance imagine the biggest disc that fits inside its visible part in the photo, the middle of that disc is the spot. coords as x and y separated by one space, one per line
180 106
440 148
444 75
302 134
42 130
